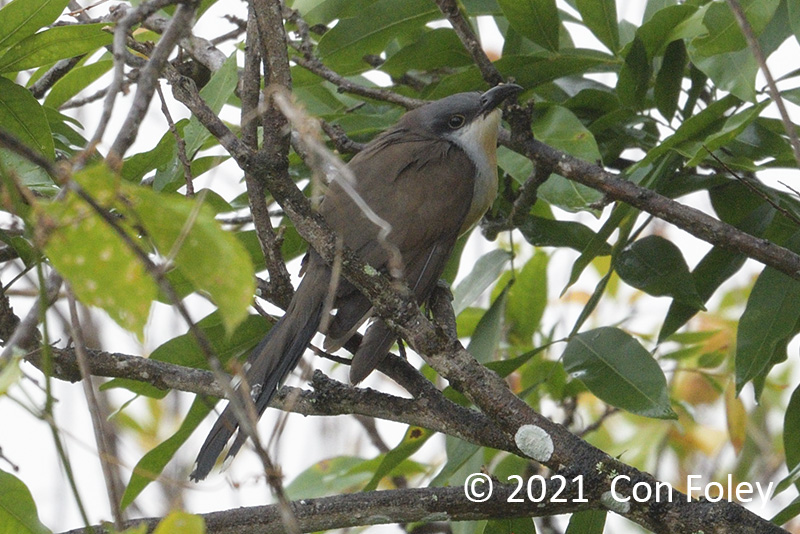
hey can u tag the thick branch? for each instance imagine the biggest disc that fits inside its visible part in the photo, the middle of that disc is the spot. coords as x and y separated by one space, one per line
280 288
429 410
379 508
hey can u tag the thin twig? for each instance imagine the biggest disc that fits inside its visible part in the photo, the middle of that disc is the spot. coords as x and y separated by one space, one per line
179 143
470 41
758 192
200 49
120 51
148 79
100 435
772 87
343 144
55 73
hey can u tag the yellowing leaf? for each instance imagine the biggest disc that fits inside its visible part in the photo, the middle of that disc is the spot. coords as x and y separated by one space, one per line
181 523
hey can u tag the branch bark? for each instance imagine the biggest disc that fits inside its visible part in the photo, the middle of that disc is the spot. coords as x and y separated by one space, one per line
686 218
428 409
378 508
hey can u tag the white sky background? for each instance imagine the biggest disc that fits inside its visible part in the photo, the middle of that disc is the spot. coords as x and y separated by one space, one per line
28 443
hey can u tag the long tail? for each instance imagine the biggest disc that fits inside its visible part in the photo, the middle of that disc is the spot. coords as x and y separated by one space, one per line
271 361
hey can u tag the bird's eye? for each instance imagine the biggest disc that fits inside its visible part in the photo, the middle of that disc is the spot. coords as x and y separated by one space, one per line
456 122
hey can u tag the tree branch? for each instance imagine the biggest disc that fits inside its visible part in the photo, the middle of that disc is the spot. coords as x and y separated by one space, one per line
772 87
200 49
449 9
148 78
280 285
429 409
691 220
381 507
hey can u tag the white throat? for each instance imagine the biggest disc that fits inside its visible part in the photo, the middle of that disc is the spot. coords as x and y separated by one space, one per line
479 140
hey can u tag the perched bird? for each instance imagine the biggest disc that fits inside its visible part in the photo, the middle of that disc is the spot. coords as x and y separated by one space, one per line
431 177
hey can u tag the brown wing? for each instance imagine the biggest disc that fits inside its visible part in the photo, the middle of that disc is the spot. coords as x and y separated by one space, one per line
423 188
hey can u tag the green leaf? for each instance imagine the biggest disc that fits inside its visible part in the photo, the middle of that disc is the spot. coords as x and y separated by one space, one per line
506 367
791 433
56 43
436 49
693 129
530 71
211 258
670 79
734 126
66 136
598 246
542 232
791 511
215 93
600 16
151 465
731 71
788 481
769 321
561 129
659 31
618 370
102 270
719 264
793 8
486 270
344 46
656 266
535 19
76 80
21 114
22 18
10 374
520 525
414 438
459 453
138 165
634 77
486 336
178 522
325 11
724 34
328 477
715 267
183 231
587 522
17 509
527 300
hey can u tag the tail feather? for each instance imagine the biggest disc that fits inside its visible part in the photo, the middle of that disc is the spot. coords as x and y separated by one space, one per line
269 364
374 348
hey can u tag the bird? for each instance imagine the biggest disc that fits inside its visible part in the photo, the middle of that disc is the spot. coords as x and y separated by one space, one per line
431 177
